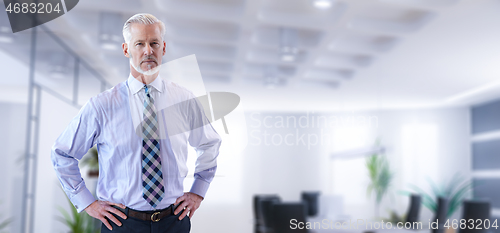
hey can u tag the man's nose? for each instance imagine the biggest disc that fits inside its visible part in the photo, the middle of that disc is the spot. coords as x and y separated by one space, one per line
148 50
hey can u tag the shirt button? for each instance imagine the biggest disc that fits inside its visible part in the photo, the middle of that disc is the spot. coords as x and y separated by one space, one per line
76 206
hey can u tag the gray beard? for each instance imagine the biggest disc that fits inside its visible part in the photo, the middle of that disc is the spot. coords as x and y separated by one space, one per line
144 72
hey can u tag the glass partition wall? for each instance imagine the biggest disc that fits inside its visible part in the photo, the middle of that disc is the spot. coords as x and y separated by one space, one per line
54 69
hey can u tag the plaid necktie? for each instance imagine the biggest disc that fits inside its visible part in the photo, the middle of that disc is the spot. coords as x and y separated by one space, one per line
152 179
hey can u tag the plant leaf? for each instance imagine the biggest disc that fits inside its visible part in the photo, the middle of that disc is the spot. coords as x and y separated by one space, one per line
427 200
5 223
456 199
437 192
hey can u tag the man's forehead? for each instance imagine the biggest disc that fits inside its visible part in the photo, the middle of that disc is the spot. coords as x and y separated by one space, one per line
145 31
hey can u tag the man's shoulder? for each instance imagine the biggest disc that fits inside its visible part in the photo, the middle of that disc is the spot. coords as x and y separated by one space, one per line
178 90
113 95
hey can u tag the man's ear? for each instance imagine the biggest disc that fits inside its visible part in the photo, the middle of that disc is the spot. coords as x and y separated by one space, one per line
164 48
125 50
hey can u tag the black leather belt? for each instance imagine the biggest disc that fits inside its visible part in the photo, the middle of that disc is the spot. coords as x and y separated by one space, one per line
154 216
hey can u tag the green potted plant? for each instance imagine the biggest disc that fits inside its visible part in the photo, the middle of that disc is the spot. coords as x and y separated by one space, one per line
4 223
381 177
91 160
395 218
77 222
455 191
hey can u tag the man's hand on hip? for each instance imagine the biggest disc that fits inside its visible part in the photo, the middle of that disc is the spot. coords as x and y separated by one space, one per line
102 209
190 202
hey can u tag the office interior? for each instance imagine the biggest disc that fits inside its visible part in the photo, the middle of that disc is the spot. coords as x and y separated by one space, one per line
331 91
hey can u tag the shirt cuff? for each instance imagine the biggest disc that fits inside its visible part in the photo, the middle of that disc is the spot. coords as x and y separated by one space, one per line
83 199
200 187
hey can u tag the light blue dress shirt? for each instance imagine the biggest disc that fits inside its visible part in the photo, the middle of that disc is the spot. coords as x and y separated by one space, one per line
110 120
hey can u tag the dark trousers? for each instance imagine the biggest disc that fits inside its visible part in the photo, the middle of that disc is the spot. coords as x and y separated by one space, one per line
169 224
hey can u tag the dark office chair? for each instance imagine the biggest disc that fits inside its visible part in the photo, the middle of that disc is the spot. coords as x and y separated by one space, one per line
267 209
442 211
259 222
284 213
475 210
414 209
311 200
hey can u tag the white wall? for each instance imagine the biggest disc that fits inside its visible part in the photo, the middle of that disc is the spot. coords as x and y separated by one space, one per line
55 116
289 169
421 144
437 157
269 167
12 144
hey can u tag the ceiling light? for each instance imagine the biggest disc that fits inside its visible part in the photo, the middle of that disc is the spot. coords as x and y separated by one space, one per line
271 82
59 65
272 78
288 44
5 35
4 29
323 4
288 57
109 46
58 72
288 53
110 34
6 39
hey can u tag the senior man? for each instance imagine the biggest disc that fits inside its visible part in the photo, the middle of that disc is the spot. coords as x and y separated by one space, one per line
142 164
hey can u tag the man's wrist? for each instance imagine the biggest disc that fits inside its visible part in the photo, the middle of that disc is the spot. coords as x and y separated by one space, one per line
82 200
197 195
86 208
200 187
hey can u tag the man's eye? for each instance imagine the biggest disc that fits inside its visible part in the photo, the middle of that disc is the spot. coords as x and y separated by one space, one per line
138 44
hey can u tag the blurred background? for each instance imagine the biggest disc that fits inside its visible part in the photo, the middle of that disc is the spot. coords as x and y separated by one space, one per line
349 107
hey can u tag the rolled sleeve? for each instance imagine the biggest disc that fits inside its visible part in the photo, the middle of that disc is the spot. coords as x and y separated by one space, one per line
200 187
202 181
80 135
82 199
205 140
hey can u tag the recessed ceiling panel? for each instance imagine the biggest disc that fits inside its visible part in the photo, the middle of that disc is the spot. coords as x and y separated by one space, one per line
208 30
275 55
216 9
424 3
336 60
329 74
319 83
300 13
380 17
216 78
124 5
206 66
270 36
259 69
358 42
222 52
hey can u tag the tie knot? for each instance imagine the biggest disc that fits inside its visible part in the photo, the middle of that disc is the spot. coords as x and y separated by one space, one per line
147 91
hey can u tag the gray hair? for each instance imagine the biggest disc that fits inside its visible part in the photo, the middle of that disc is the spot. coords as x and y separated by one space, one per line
141 18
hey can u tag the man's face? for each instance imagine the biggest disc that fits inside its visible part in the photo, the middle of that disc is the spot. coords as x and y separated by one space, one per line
145 48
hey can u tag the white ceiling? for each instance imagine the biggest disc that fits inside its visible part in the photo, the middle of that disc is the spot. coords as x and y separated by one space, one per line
358 54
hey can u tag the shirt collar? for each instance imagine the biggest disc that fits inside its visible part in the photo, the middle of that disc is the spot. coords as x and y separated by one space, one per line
135 85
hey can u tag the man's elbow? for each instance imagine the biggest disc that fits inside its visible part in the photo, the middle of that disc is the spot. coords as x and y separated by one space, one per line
58 157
